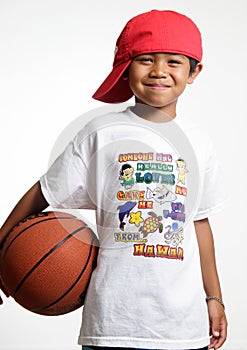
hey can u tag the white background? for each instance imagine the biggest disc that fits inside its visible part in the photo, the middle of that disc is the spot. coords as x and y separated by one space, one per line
54 55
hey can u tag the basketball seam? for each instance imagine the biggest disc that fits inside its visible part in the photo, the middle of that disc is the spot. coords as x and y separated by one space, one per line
26 228
45 256
71 287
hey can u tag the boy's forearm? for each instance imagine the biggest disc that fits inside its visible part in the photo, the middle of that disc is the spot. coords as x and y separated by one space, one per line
217 317
32 202
207 256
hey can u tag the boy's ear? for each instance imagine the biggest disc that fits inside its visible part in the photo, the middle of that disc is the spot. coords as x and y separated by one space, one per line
193 76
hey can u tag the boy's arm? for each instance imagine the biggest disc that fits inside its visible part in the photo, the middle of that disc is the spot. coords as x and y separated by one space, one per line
32 202
217 318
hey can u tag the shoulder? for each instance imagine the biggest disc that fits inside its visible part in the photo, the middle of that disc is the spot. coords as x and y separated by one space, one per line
198 136
102 123
194 131
200 140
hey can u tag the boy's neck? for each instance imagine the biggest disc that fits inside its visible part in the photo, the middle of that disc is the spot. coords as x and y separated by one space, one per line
152 114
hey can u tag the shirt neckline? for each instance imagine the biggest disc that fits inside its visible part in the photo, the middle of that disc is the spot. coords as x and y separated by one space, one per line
148 122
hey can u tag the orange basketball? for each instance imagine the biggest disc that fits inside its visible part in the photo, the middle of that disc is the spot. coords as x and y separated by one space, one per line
47 261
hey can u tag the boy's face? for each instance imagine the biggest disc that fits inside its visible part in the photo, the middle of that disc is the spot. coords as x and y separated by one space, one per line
127 173
158 79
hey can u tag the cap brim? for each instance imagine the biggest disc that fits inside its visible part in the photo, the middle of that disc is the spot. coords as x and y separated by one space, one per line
114 88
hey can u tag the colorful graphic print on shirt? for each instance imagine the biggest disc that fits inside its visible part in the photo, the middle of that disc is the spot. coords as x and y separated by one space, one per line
151 210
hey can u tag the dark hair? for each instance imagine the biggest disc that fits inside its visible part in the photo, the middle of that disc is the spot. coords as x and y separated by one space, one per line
193 64
124 167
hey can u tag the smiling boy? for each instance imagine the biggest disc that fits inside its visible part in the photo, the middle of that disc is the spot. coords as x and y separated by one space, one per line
146 292
158 79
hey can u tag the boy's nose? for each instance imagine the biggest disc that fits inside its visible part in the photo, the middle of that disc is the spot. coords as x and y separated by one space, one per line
159 71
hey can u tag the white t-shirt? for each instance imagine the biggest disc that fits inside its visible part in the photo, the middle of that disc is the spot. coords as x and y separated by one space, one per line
147 182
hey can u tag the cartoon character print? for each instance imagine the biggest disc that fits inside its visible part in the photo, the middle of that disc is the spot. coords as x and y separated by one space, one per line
181 168
126 174
152 224
173 234
124 211
161 195
136 218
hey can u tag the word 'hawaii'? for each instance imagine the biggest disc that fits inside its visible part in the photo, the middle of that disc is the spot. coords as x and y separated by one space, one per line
160 251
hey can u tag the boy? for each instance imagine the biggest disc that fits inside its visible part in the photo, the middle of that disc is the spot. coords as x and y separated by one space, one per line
155 257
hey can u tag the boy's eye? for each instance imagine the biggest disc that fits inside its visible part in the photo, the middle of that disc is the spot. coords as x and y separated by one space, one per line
145 59
174 62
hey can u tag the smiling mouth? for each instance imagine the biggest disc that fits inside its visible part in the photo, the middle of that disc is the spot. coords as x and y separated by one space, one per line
157 86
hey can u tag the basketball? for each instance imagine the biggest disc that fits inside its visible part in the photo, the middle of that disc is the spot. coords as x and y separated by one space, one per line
47 261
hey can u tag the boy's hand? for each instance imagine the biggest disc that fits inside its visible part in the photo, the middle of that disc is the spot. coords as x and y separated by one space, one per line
218 324
32 202
2 288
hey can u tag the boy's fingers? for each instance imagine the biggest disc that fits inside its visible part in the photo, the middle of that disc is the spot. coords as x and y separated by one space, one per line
217 343
218 337
221 339
213 341
216 327
3 289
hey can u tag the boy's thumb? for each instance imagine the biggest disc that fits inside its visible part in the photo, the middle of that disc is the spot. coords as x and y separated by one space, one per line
216 329
216 334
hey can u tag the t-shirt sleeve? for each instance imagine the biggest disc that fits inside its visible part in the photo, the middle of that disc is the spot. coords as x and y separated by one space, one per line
213 197
65 184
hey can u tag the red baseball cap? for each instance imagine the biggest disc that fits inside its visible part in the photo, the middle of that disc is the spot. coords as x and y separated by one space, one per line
153 31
